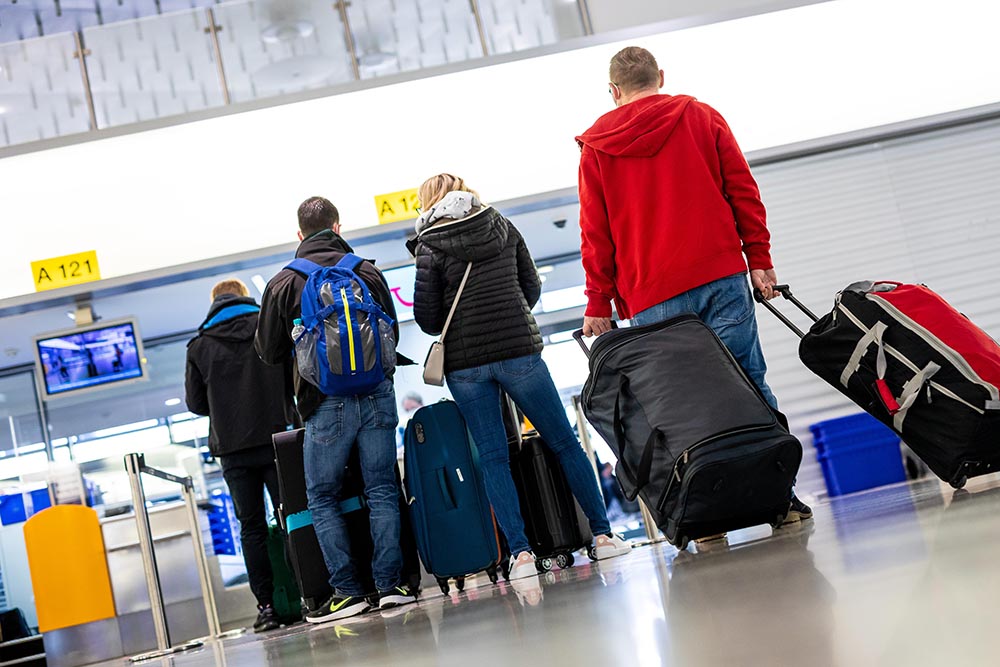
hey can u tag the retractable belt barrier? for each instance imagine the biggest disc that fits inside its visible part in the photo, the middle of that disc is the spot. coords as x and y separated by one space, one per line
135 466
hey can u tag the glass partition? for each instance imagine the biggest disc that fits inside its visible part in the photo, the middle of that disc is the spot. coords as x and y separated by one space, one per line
274 47
152 67
21 446
516 25
392 36
41 90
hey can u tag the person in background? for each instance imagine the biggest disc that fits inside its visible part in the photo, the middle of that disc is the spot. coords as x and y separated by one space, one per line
336 424
246 401
671 217
494 344
411 403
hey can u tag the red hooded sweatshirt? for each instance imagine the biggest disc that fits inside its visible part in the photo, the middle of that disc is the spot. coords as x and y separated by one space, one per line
667 204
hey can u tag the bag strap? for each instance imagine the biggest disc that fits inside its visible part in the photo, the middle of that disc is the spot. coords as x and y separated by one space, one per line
349 261
642 473
454 304
303 266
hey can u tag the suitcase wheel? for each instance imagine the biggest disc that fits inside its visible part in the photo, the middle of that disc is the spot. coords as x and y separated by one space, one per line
505 569
460 583
565 560
779 521
682 543
959 482
543 564
592 553
491 572
443 583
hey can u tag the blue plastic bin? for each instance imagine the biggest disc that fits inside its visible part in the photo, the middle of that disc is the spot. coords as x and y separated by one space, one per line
857 453
12 509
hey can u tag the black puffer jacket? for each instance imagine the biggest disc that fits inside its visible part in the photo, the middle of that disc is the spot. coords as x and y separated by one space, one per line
245 399
493 321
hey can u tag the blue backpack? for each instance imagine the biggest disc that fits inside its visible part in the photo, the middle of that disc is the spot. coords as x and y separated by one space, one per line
344 343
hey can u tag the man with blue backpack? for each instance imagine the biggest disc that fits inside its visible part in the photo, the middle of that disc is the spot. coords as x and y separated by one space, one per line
333 311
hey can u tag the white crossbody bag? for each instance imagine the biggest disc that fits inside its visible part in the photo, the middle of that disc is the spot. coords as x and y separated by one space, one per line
434 364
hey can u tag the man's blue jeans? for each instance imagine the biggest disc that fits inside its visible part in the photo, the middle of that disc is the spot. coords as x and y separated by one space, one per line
527 381
331 433
727 306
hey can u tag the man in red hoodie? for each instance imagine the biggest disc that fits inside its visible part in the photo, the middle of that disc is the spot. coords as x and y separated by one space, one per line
671 217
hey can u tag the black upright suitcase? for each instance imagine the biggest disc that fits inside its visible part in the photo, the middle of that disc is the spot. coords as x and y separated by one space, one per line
304 550
553 521
693 435
303 547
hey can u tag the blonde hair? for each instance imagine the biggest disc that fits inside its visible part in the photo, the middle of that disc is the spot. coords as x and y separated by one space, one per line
233 286
436 187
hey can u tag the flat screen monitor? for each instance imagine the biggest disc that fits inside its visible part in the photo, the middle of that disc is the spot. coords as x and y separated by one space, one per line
89 357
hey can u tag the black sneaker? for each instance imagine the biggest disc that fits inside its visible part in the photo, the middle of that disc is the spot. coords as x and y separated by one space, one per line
267 619
797 511
338 607
396 597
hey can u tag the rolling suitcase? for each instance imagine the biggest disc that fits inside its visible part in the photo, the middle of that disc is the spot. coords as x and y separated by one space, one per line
303 547
453 522
553 521
304 550
693 435
908 358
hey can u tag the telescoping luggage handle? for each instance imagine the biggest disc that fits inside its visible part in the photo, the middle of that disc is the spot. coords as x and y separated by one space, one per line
786 292
578 337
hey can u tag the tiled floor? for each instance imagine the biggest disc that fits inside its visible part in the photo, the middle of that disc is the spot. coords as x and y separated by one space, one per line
908 575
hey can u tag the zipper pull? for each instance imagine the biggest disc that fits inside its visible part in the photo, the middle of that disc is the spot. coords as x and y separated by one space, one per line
685 457
929 398
677 474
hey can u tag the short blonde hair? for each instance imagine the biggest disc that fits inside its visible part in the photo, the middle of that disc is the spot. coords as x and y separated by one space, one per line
233 286
436 187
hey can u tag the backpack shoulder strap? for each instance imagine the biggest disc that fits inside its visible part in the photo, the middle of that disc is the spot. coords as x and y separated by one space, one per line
303 266
350 262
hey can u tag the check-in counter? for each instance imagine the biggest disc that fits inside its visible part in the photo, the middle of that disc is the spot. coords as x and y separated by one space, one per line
182 595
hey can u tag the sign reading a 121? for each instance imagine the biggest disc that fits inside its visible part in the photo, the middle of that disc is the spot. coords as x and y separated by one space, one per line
65 271
397 206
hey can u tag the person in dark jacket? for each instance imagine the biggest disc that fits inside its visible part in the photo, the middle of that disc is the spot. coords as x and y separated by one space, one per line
334 424
494 343
246 401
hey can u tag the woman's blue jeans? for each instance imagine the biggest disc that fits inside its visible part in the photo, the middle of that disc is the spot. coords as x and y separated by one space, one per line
527 381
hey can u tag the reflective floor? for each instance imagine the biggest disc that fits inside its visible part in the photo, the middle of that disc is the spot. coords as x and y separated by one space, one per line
907 575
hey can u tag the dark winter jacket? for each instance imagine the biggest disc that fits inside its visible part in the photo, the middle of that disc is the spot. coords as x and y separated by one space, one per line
493 321
282 304
245 399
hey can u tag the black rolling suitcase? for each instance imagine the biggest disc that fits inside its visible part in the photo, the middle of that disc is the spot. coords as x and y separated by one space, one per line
692 432
915 363
553 521
304 550
303 547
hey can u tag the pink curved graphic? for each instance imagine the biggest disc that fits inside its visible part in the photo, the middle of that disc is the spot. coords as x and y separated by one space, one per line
395 290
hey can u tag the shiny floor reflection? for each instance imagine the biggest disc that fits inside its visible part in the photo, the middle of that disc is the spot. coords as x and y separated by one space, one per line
903 575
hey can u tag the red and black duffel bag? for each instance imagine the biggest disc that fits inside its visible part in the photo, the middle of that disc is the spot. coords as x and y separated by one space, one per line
912 360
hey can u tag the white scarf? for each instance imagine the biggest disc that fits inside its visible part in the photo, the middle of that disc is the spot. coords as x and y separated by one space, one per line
454 206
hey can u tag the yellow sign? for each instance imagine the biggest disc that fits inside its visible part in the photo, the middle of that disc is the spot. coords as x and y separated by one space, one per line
66 270
397 206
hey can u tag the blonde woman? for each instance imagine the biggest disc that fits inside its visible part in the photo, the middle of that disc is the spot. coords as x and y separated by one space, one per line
494 344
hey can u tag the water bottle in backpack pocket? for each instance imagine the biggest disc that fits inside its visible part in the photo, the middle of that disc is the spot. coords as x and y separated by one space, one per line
344 343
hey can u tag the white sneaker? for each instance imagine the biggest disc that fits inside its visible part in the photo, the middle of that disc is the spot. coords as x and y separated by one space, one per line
523 566
609 547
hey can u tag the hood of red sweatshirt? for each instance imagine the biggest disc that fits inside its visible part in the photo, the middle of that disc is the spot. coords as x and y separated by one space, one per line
638 129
